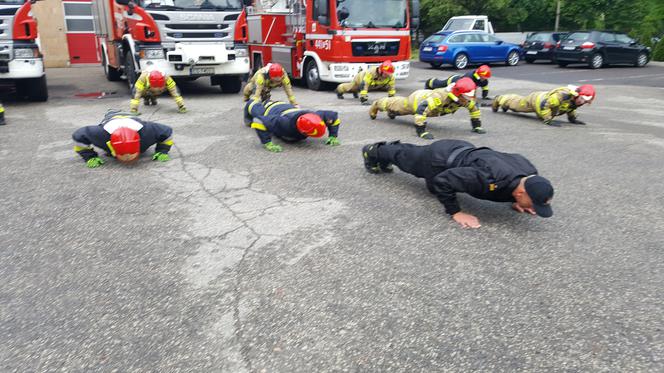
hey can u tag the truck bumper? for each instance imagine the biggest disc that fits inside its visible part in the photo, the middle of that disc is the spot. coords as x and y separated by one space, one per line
237 67
22 68
188 60
345 72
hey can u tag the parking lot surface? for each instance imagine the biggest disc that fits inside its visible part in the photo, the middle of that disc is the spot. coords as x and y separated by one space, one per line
233 259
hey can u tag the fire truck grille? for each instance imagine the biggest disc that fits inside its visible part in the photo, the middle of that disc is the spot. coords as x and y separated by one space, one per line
199 26
375 48
197 35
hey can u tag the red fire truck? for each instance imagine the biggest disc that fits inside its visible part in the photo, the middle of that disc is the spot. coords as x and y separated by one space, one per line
21 60
186 39
331 40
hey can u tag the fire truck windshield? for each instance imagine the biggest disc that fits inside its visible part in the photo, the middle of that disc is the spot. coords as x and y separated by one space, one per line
189 5
372 13
11 2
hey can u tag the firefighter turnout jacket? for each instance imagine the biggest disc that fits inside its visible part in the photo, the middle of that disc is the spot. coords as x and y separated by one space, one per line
260 86
143 89
546 105
369 80
280 118
151 133
455 166
434 83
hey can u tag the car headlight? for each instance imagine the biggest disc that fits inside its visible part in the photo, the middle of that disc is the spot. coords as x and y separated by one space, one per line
26 53
153 54
241 52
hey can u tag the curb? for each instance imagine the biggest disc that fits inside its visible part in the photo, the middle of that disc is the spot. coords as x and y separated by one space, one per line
656 63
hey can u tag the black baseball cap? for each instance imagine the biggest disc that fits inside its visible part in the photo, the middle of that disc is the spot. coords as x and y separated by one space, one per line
540 191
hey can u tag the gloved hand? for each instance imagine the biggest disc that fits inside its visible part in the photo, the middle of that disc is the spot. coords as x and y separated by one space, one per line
274 148
550 122
364 100
332 141
161 157
182 109
94 162
485 94
134 112
576 121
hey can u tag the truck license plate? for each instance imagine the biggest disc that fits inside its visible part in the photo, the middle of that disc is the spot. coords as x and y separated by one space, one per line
427 49
202 71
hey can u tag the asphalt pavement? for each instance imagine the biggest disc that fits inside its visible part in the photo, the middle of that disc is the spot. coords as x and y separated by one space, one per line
233 259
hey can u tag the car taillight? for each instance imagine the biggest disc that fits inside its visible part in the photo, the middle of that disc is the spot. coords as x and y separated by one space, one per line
558 45
442 48
588 45
548 45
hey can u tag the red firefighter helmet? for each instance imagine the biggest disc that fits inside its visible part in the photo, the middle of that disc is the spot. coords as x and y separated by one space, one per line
484 71
125 141
275 71
311 124
586 92
157 79
464 86
386 67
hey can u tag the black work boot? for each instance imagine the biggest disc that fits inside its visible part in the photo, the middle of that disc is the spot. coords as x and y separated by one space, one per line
370 155
340 96
391 114
423 133
477 126
355 95
153 100
2 118
387 166
147 101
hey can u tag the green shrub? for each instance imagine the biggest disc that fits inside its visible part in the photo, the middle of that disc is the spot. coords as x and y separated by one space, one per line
658 51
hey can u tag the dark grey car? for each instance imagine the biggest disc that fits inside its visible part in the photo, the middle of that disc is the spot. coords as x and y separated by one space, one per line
601 48
540 45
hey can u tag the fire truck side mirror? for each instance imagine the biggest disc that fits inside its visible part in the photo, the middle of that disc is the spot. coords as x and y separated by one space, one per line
414 14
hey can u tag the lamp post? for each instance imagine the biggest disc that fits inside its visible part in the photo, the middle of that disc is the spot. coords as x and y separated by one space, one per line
557 16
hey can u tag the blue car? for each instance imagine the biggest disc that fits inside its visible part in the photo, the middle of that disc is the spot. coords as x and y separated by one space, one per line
461 48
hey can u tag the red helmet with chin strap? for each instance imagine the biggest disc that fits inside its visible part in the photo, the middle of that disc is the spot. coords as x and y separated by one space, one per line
464 86
157 79
484 71
125 141
587 92
311 124
386 67
275 71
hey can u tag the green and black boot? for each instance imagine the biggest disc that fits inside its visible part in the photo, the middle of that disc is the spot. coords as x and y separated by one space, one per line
477 126
370 156
423 133
2 116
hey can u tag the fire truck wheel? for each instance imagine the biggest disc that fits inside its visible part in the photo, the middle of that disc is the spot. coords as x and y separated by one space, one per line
130 70
313 76
33 89
231 84
112 74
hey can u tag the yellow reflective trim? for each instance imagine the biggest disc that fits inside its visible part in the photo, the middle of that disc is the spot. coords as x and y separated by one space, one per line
170 83
110 147
139 85
452 96
168 142
293 110
2 110
273 105
476 76
79 148
258 126
337 122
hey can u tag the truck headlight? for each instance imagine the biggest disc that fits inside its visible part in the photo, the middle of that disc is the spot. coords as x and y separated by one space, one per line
152 54
241 52
26 53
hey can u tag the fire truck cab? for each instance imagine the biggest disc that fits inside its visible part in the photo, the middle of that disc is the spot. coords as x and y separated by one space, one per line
330 40
21 60
185 39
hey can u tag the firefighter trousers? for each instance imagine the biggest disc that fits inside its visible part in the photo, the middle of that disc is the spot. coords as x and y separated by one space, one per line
519 104
394 106
251 87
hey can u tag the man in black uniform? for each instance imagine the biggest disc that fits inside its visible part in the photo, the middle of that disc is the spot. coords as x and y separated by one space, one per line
290 123
455 166
124 137
480 76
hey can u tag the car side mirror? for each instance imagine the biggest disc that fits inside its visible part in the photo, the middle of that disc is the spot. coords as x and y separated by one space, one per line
633 42
498 42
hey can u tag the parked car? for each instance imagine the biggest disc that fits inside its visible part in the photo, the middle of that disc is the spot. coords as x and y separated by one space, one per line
461 48
600 48
477 23
541 45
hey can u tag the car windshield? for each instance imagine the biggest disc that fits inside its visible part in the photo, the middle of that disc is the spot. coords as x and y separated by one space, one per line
435 38
540 37
11 2
372 13
193 4
458 24
578 36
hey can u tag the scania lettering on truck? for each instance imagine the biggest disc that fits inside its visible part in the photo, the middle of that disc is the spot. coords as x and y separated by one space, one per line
21 60
186 39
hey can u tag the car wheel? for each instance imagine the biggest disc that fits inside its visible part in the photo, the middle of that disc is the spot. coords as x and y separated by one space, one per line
513 58
530 60
641 60
461 61
436 65
596 61
313 76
